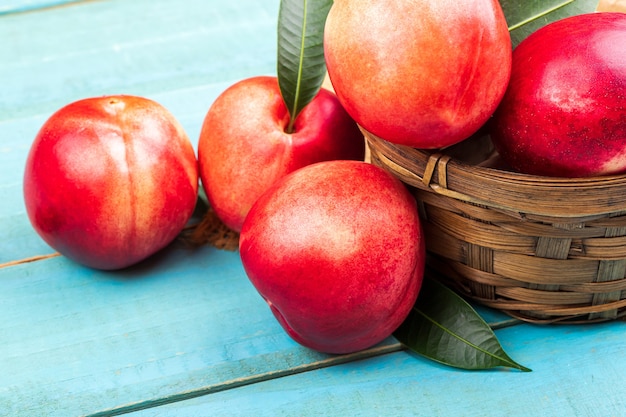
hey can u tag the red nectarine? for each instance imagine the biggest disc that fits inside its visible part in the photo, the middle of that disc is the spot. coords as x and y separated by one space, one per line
337 251
110 180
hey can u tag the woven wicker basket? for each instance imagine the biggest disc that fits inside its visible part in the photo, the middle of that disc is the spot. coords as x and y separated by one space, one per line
540 249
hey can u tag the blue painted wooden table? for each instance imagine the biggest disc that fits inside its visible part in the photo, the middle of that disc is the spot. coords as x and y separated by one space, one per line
185 333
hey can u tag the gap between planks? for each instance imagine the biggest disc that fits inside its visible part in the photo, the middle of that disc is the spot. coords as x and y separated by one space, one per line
266 376
29 260
249 380
40 5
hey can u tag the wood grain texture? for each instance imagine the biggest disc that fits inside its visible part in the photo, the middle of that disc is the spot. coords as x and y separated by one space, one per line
180 53
187 322
183 324
21 6
137 47
575 373
184 333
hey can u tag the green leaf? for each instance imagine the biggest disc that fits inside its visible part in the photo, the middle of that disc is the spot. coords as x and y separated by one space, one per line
301 65
525 17
445 328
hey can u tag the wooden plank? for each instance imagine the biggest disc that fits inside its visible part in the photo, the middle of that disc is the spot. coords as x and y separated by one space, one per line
76 341
18 238
577 371
180 53
141 47
183 324
20 6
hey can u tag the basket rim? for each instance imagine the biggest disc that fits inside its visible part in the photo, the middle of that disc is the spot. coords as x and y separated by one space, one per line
440 173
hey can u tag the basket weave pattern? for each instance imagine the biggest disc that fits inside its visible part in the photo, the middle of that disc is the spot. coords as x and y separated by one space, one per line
540 249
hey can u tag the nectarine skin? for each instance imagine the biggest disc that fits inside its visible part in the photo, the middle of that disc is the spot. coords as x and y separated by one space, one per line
337 251
110 180
420 73
564 113
244 147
